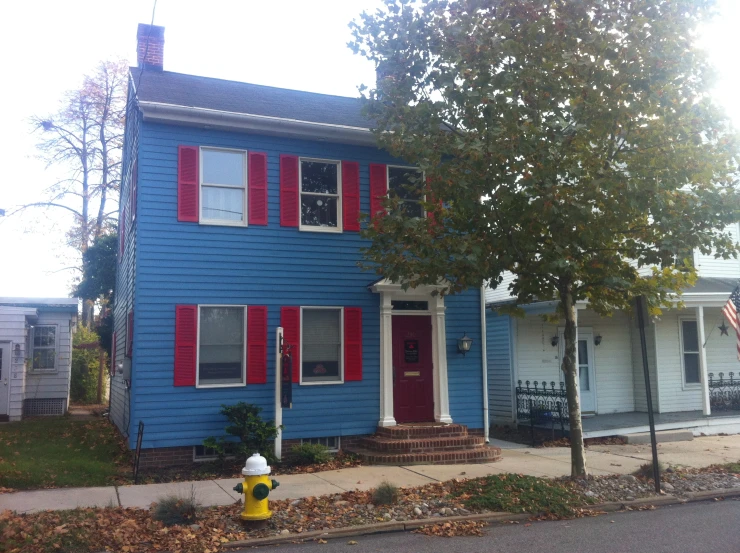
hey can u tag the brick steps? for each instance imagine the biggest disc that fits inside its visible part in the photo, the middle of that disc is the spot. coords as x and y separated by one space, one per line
416 444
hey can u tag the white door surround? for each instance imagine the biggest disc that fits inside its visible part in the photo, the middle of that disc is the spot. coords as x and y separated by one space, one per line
389 292
586 380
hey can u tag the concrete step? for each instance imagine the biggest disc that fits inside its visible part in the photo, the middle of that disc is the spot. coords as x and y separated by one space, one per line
661 437
422 445
482 454
418 431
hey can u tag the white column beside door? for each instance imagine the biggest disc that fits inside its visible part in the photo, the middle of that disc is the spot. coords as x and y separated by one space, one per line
706 407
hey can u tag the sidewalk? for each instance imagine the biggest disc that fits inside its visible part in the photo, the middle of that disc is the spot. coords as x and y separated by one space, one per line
544 462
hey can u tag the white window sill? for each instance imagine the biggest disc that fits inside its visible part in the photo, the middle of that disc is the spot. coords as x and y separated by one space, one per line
322 383
335 230
236 385
43 371
223 223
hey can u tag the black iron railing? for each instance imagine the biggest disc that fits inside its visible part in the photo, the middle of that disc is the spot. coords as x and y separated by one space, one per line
724 394
542 406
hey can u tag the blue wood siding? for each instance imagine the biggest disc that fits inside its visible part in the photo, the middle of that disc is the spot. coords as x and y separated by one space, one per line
188 263
498 333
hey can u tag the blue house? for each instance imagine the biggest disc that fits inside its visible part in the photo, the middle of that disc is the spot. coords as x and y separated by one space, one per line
240 215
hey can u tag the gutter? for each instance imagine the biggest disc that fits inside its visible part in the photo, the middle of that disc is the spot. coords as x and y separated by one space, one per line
484 364
259 124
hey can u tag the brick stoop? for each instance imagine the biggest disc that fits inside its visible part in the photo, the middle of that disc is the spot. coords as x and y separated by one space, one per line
417 444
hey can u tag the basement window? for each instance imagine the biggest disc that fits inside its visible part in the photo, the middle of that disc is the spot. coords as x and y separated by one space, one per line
332 443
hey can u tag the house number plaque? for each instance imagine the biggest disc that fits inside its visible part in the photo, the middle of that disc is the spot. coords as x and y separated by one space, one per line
411 351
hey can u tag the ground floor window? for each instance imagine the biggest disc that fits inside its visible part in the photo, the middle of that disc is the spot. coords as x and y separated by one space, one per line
44 347
690 352
221 359
321 356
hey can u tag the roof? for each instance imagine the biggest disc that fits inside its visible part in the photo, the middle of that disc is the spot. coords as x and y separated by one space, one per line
713 285
57 304
179 89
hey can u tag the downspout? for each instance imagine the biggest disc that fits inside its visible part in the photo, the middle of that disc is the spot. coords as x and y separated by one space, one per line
484 363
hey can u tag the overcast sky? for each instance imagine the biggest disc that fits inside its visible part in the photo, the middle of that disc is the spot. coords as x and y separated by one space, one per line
48 45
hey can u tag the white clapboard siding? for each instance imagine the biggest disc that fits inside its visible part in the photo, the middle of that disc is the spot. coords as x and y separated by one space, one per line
13 332
53 384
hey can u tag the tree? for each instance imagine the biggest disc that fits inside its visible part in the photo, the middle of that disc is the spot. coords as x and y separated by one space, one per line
573 143
84 138
99 269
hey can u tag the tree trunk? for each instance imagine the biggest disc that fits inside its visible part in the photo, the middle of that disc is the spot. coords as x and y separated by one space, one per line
570 370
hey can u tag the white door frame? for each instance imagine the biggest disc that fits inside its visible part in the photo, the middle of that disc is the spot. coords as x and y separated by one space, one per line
5 376
582 333
390 291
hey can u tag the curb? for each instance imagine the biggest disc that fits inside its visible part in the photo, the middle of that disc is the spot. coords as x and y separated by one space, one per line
388 527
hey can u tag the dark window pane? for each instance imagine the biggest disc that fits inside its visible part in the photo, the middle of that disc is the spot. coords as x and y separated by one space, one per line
44 358
583 352
399 305
319 177
412 209
318 211
221 345
690 336
321 344
223 167
405 183
691 366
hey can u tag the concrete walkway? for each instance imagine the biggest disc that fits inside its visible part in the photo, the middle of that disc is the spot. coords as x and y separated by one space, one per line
544 462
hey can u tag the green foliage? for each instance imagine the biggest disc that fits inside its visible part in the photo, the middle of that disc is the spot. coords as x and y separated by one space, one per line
85 367
646 470
385 494
173 510
514 493
99 269
309 454
254 434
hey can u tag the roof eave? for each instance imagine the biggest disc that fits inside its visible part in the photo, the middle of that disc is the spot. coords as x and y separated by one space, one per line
258 124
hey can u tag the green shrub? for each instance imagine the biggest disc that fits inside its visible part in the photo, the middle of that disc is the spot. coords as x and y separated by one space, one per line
385 494
309 454
646 470
173 510
83 387
254 434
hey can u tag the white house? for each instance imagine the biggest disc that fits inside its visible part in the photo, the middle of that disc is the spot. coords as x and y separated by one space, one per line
35 355
692 359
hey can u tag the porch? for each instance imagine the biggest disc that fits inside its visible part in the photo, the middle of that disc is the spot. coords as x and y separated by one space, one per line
633 423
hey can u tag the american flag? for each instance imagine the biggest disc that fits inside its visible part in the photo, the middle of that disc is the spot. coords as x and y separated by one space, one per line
731 311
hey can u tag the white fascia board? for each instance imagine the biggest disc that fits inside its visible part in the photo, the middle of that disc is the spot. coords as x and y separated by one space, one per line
259 124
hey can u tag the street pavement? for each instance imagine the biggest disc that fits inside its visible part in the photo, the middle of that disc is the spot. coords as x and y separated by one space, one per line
543 462
702 527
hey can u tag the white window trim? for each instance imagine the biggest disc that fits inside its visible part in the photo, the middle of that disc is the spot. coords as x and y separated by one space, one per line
243 382
341 347
688 385
388 184
329 449
312 228
56 349
220 222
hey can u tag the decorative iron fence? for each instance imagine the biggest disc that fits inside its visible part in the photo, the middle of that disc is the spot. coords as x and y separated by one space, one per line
542 406
724 394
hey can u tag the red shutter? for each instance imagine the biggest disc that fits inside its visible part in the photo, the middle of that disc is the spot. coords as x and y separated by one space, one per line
257 188
130 334
352 343
122 235
188 179
186 343
113 368
378 187
134 184
351 195
256 344
290 320
289 193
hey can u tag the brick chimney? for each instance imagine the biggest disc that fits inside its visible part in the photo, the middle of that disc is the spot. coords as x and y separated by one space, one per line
150 46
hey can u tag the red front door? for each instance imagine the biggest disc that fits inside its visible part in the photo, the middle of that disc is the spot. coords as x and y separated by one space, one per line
413 390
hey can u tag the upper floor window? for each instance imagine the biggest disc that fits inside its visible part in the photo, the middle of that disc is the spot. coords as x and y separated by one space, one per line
320 189
221 359
690 352
406 184
44 347
223 179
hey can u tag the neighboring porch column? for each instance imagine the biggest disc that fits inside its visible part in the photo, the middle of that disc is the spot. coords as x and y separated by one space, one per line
439 354
706 407
386 362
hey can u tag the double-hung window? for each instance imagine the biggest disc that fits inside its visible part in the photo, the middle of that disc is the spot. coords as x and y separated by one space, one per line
221 351
406 184
690 351
321 358
320 187
44 347
223 178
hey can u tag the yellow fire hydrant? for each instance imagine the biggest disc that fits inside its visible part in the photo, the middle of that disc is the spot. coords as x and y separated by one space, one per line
256 487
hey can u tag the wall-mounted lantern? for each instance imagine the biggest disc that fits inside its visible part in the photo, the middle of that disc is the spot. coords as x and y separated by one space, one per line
554 341
464 344
597 339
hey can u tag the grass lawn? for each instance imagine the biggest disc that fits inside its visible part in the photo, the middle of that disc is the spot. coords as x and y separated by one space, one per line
58 452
